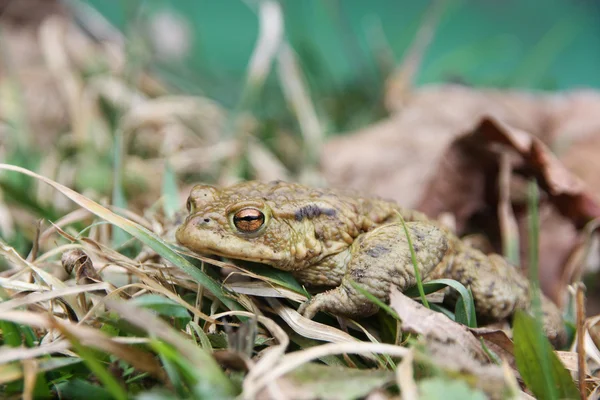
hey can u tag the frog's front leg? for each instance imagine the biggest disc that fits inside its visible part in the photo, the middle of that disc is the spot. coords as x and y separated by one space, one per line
378 259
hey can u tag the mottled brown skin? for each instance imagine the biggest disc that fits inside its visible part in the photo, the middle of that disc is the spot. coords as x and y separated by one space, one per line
329 238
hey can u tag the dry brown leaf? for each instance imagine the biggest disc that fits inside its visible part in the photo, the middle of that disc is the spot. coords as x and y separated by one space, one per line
558 240
466 181
488 377
455 347
569 359
434 326
498 341
397 158
77 260
317 381
474 157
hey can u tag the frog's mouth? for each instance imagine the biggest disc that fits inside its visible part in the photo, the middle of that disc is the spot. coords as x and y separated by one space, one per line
226 245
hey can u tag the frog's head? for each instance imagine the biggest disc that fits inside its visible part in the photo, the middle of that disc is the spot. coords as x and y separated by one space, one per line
268 223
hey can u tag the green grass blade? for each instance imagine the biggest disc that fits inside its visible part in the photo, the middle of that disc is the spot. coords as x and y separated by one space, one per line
171 369
491 354
534 280
80 389
465 305
10 334
413 258
103 375
165 307
443 310
534 239
41 389
465 310
186 373
539 366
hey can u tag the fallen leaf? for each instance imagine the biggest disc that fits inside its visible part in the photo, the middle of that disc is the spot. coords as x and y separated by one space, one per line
315 381
475 156
497 341
395 158
434 326
465 185
489 378
439 388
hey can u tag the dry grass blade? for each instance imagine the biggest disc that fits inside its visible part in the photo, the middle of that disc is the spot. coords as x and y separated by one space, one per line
506 217
30 372
89 337
405 378
51 294
264 163
590 343
18 353
403 79
273 354
269 38
52 38
581 366
291 361
264 289
75 216
7 283
52 282
309 328
296 94
144 235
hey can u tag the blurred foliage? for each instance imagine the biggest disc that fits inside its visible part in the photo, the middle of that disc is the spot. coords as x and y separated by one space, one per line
347 48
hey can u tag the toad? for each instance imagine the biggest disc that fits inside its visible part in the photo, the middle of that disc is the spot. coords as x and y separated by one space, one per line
330 238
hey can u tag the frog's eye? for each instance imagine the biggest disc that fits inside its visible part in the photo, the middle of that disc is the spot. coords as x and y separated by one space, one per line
188 204
248 220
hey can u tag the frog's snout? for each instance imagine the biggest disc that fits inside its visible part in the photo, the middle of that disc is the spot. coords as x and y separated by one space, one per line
204 222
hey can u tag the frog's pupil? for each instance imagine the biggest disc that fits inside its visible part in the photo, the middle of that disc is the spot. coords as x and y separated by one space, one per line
248 220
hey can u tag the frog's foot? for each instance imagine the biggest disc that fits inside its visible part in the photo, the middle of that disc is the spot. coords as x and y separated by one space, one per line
553 324
339 301
498 288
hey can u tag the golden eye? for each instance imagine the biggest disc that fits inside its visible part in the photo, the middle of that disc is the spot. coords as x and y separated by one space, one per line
248 220
188 204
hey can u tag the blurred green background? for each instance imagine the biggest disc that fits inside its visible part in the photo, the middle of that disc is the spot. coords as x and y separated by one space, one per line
538 44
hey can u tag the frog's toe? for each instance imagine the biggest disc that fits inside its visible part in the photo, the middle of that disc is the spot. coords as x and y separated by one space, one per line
309 308
341 301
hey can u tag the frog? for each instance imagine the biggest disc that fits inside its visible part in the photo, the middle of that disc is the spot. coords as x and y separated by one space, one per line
337 239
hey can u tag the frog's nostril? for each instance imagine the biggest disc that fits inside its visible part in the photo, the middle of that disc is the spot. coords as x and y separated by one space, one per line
201 221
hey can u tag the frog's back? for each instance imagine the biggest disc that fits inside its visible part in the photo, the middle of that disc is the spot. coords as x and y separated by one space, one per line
373 210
